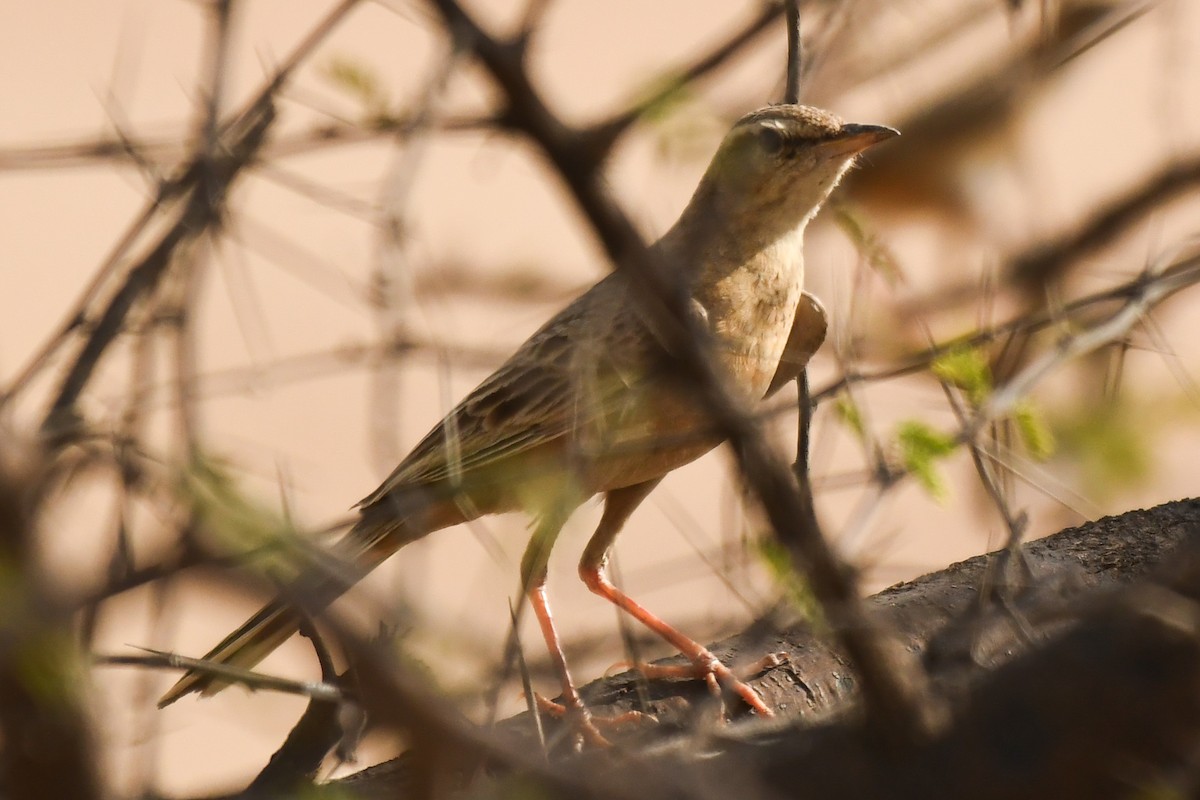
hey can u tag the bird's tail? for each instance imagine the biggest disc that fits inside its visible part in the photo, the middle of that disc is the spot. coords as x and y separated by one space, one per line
257 638
366 546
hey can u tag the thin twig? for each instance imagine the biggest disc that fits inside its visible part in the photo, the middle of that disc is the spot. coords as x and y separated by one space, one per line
156 659
795 52
202 187
1181 274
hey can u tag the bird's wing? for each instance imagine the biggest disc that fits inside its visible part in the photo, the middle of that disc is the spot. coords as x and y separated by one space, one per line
805 338
571 375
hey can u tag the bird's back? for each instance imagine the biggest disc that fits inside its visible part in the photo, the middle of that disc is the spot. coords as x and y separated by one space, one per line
586 394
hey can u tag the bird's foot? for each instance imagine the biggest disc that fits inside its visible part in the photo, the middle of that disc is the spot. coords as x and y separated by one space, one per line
587 728
719 678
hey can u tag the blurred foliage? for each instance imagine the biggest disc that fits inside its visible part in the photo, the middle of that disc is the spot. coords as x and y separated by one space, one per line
967 369
50 667
663 97
795 587
920 448
1034 431
1110 443
870 245
233 521
363 84
683 129
849 415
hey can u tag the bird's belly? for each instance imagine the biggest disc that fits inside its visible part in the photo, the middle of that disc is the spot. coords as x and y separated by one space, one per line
751 313
751 346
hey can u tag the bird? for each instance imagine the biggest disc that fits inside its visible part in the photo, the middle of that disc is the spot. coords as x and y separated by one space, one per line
589 404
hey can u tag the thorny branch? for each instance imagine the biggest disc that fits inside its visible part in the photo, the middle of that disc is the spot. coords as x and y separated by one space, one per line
200 210
1179 275
200 190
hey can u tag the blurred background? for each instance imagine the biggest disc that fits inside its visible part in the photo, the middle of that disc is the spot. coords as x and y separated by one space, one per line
389 247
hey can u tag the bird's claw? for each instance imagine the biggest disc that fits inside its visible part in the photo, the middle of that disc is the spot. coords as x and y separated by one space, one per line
719 678
587 726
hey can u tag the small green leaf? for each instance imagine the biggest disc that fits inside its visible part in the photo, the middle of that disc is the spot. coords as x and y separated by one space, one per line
237 523
795 588
868 243
663 95
920 447
966 368
1111 443
1035 433
360 81
849 414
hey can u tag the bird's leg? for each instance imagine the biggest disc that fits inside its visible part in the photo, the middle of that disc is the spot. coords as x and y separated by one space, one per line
533 583
618 505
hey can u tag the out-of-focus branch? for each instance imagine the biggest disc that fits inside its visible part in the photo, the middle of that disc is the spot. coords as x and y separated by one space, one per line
926 169
600 137
200 210
1182 273
1156 288
201 188
47 740
1137 299
1032 270
393 276
169 149
604 133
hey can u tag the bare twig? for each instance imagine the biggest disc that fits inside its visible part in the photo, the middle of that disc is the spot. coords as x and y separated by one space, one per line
1042 263
155 659
795 52
1153 289
201 188
1181 274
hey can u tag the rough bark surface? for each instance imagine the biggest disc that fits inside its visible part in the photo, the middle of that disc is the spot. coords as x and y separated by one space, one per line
1083 682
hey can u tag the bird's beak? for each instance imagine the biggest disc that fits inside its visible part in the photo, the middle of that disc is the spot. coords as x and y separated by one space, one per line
854 138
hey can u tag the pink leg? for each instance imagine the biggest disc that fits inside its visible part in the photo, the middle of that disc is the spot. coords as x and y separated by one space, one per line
618 505
574 707
533 583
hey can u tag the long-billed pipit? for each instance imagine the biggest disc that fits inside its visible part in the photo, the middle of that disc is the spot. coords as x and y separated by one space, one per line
589 405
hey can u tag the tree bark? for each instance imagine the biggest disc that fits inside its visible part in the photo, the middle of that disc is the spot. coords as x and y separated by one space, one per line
1083 683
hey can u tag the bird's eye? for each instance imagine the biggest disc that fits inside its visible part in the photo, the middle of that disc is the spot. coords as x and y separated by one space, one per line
771 140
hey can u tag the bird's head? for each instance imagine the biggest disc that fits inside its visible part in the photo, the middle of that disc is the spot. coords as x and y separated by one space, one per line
778 164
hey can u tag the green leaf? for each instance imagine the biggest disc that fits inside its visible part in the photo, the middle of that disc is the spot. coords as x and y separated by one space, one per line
795 587
663 95
358 80
1035 433
236 522
966 368
849 414
868 243
920 447
1111 443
